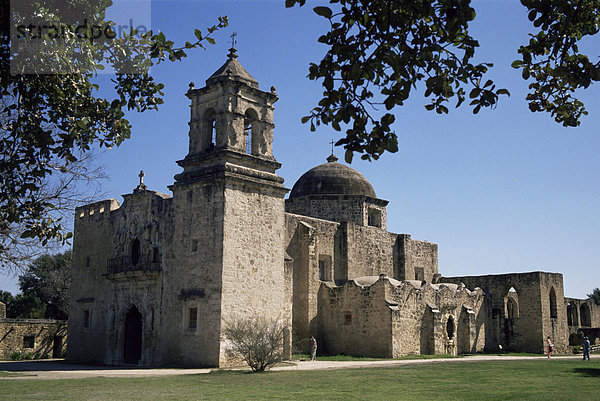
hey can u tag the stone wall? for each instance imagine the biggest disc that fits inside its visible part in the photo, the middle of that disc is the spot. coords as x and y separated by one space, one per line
582 312
307 241
253 255
337 208
369 251
107 283
533 321
382 317
39 337
418 260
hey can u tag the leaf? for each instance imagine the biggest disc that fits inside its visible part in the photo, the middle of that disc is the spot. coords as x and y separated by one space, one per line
210 40
323 11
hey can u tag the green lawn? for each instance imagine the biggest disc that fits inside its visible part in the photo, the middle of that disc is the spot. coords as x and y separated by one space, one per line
554 379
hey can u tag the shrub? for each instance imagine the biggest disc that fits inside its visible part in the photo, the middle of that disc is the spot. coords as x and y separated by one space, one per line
15 356
258 341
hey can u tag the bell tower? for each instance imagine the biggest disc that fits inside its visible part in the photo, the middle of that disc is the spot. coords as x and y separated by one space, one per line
228 214
230 112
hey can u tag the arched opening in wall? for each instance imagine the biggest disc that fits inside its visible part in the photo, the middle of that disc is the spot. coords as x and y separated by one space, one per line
511 304
250 118
132 347
450 328
552 300
576 338
572 318
510 316
135 252
209 128
584 312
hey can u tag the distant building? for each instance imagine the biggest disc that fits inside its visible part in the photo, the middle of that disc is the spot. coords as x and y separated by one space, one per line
31 338
156 278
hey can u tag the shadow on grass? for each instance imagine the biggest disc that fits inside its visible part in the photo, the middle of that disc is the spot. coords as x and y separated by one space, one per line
589 372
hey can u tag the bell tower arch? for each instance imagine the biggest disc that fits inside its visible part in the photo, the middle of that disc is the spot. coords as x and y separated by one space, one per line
230 112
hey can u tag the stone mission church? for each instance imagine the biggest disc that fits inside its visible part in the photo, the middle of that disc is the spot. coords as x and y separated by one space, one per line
156 279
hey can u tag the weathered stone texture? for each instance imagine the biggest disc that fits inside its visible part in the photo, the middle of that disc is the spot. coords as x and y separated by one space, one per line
40 337
532 323
383 317
339 208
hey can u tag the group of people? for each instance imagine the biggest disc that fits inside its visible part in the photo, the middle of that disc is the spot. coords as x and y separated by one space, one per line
586 348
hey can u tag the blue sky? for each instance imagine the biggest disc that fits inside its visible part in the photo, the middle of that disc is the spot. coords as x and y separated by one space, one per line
502 191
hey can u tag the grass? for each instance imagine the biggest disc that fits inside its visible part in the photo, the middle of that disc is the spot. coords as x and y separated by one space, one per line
540 379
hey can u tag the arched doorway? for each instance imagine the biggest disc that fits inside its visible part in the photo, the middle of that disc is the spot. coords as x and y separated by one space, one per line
132 347
584 313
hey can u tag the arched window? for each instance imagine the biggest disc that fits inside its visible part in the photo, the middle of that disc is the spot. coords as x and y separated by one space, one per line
572 317
450 328
511 304
511 308
210 130
553 311
135 252
584 311
250 118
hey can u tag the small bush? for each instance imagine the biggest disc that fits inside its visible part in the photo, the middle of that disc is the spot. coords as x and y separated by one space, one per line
258 341
16 356
576 349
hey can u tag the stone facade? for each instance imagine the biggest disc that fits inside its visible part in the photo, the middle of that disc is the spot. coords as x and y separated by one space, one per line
37 338
156 279
421 318
522 309
583 319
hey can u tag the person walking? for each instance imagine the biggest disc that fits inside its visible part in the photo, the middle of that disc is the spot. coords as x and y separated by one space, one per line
548 346
313 349
586 348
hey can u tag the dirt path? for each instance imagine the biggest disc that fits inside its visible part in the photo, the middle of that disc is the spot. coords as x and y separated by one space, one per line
58 369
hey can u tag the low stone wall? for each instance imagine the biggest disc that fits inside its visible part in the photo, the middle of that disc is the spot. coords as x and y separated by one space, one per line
36 338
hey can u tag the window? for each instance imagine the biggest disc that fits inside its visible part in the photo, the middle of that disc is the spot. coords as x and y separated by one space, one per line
511 308
450 328
211 132
250 118
192 318
135 252
194 245
553 312
419 274
324 267
87 261
86 319
511 304
347 318
155 255
374 217
28 341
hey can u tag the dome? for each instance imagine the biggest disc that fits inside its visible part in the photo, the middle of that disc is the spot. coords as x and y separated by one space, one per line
332 178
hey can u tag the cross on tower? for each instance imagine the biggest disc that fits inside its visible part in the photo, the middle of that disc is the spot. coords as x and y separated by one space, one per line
233 35
332 143
142 186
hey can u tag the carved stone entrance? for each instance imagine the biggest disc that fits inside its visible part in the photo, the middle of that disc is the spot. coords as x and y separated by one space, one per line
132 349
